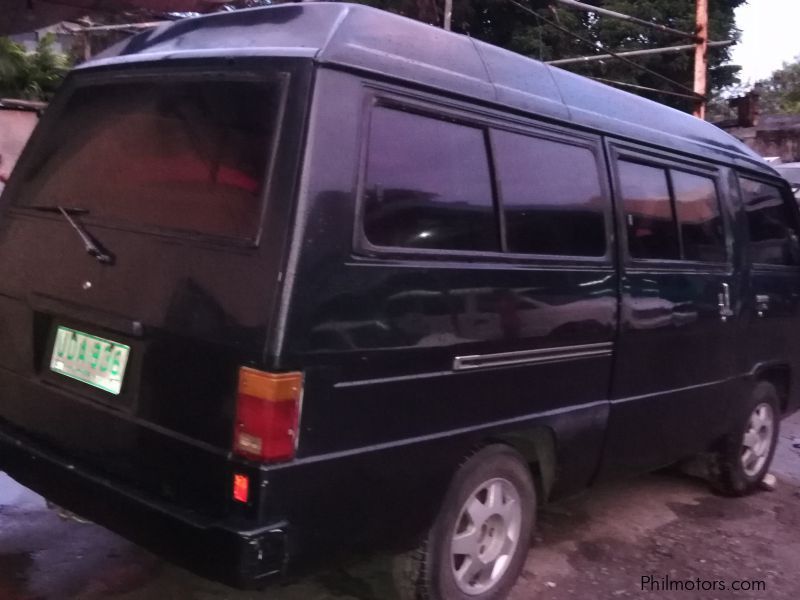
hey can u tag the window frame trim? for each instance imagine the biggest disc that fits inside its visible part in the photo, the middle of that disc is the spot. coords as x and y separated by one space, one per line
594 146
363 241
787 196
668 163
715 180
436 108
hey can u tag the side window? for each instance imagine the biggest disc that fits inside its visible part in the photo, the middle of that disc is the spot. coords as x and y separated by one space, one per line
699 218
551 196
648 211
772 224
428 184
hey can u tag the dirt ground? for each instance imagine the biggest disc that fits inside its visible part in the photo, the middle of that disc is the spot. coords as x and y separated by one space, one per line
595 546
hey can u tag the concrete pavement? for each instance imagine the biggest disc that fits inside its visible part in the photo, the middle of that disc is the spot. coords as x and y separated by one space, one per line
597 545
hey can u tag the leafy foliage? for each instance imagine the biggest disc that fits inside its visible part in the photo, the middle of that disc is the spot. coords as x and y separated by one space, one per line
502 23
780 93
32 76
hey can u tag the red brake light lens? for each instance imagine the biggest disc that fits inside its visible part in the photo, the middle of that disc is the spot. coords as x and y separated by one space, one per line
267 413
241 488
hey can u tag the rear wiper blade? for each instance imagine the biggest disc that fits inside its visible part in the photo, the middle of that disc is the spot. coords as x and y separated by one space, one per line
92 246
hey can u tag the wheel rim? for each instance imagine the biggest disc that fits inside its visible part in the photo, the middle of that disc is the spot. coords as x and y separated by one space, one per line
486 536
757 441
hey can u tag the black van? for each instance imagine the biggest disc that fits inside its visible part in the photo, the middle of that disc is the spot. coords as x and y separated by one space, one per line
287 281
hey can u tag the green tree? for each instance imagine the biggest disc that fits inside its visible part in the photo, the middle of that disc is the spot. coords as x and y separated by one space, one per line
780 92
502 23
31 75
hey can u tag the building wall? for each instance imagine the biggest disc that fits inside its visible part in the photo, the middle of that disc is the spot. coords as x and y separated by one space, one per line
16 127
63 41
773 135
785 144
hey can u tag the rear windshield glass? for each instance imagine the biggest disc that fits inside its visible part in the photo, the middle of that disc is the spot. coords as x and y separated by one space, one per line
184 155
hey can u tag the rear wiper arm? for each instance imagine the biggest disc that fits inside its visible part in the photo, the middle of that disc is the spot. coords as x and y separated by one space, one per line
93 247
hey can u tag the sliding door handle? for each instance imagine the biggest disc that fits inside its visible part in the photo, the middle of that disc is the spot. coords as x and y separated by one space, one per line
724 302
762 304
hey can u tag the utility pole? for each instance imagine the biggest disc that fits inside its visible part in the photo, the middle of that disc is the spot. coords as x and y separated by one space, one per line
701 59
448 14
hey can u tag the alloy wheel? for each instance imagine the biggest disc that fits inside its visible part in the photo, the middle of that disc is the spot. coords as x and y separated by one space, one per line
486 536
757 441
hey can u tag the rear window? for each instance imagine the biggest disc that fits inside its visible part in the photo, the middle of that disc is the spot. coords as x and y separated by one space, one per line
184 155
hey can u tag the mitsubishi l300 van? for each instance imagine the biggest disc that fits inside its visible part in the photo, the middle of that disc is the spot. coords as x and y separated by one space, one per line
285 282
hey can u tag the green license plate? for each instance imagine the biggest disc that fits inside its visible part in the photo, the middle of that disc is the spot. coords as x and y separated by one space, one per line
90 359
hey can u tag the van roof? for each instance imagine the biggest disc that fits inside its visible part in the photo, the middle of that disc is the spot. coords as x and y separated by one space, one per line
364 38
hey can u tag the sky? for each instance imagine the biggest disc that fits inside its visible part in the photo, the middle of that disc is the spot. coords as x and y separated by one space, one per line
770 37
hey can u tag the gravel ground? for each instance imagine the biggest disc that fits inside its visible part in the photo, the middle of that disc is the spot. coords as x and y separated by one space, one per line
598 545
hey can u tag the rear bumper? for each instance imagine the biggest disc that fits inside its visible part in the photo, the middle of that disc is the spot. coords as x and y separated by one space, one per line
227 551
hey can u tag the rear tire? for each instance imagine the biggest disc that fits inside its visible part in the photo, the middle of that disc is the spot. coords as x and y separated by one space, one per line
744 456
476 547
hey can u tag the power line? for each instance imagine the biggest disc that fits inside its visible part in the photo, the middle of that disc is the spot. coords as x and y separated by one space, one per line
643 88
590 43
645 52
610 13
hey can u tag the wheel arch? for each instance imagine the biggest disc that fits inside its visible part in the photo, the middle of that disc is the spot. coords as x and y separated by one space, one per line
537 445
780 375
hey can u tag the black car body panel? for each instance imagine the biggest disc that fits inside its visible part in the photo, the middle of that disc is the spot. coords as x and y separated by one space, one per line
588 360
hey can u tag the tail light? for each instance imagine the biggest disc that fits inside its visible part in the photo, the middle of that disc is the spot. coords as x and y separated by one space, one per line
267 413
241 488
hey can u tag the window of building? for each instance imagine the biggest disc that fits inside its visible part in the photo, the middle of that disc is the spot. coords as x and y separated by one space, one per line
428 184
551 195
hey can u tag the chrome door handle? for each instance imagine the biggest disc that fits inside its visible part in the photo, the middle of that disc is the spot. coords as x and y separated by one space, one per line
762 304
724 302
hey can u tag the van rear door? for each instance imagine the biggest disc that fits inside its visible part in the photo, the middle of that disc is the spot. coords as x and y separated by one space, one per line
139 257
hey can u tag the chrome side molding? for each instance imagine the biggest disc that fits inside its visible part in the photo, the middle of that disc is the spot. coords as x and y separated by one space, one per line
540 355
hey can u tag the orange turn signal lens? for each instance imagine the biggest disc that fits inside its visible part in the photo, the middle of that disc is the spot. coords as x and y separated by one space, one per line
267 414
269 386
